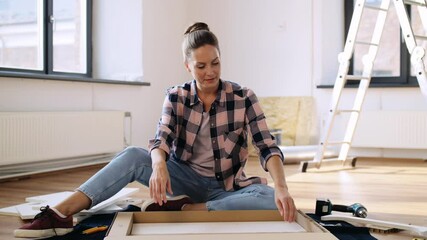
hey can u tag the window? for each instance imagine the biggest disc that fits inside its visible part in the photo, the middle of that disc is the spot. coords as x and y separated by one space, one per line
50 37
392 65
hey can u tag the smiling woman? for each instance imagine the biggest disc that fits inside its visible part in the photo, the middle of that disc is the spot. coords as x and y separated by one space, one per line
202 59
204 65
198 155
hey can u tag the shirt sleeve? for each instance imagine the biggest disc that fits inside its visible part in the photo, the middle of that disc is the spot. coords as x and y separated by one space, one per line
262 140
165 133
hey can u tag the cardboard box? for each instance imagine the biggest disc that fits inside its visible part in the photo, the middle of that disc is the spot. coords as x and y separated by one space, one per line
121 228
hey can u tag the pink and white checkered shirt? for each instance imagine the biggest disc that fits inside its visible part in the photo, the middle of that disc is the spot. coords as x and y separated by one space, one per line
234 113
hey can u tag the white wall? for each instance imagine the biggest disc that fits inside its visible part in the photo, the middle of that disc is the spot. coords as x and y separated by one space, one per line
276 47
265 45
117 38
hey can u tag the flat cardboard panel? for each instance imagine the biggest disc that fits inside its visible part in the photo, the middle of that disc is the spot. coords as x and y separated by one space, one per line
215 227
122 225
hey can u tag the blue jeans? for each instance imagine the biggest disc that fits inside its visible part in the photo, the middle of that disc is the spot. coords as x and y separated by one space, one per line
134 164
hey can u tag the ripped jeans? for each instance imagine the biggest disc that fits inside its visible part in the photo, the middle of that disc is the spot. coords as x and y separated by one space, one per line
134 164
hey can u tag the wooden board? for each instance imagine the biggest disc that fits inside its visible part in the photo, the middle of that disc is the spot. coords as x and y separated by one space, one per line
123 223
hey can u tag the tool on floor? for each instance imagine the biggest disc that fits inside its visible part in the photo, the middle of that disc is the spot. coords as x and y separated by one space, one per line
325 207
95 229
419 231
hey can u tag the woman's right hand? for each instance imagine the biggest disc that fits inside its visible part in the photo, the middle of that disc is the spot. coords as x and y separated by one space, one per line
159 180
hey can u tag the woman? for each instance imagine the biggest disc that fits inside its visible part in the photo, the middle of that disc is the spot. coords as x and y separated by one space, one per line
197 156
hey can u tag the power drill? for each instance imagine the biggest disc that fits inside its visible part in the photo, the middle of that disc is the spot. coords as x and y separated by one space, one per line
325 207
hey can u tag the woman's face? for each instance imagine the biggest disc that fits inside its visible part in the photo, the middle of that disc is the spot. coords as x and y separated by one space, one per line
205 66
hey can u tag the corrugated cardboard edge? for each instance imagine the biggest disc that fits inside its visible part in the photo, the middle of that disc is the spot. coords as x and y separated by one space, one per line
123 222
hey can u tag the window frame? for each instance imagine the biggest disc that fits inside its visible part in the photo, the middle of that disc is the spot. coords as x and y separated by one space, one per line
405 79
47 70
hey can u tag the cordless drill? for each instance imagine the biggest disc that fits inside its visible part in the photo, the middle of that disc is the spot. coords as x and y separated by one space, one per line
325 207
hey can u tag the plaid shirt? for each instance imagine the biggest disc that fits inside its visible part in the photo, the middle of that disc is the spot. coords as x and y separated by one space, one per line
234 113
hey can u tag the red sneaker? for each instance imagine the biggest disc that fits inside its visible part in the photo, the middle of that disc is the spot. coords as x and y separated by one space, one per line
173 204
46 224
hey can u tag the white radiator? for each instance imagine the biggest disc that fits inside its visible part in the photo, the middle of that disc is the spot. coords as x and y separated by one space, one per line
391 129
31 137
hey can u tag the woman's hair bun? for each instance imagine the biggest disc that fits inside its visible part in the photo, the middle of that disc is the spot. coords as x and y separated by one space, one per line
197 35
196 27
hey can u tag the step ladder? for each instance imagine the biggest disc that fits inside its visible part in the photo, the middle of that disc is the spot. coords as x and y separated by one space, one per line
417 55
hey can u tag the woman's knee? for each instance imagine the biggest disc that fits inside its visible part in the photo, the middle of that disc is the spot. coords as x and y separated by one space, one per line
134 156
264 195
252 197
260 189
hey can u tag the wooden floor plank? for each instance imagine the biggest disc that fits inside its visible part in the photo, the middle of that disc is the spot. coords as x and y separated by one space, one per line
391 189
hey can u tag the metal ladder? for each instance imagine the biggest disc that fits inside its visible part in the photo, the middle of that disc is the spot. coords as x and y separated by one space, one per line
417 55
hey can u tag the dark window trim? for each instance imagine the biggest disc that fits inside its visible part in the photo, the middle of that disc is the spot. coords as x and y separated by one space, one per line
46 57
404 80
49 38
75 78
89 16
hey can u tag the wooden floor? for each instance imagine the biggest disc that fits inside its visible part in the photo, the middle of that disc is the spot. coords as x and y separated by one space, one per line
391 189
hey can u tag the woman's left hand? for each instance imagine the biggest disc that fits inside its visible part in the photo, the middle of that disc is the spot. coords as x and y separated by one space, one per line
283 199
285 204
